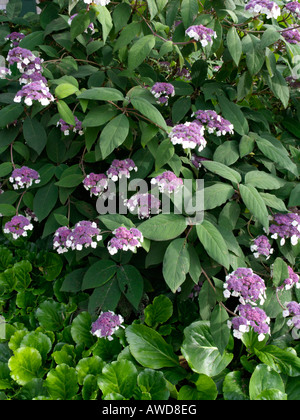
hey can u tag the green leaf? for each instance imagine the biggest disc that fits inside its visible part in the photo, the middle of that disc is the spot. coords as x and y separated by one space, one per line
216 195
234 114
213 243
279 87
200 350
227 153
65 113
263 180
79 24
189 10
219 328
10 113
99 115
45 200
281 361
70 181
255 56
149 111
102 94
140 50
234 45
153 382
105 298
159 311
176 264
113 135
105 19
235 387
99 274
163 227
89 366
149 348
264 379
165 151
131 284
38 341
256 205
294 200
5 169
34 134
118 377
61 383
81 330
51 315
25 365
276 155
223 170
7 210
64 90
280 272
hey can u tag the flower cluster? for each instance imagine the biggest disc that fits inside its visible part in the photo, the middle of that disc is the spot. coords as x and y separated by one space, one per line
4 72
18 226
85 234
35 85
293 7
292 280
214 123
26 61
262 246
66 128
190 135
15 38
162 92
292 36
293 311
201 33
246 285
125 240
286 226
106 325
99 2
24 177
267 7
250 317
167 182
35 91
144 205
96 183
120 169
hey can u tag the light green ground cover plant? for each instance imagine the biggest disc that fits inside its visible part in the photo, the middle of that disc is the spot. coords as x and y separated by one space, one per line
205 311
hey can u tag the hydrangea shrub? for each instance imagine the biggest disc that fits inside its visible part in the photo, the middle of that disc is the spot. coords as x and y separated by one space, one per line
95 94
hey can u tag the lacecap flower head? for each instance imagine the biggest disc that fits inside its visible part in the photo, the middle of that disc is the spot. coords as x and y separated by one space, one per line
24 177
4 72
162 92
15 38
245 285
60 239
293 311
250 317
202 34
144 205
125 240
214 123
286 226
85 234
167 182
190 135
292 280
293 7
262 247
26 61
98 2
35 91
292 36
97 184
67 128
18 226
106 325
267 7
121 169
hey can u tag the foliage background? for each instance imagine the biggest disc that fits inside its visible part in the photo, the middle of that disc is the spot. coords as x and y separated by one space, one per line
174 347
